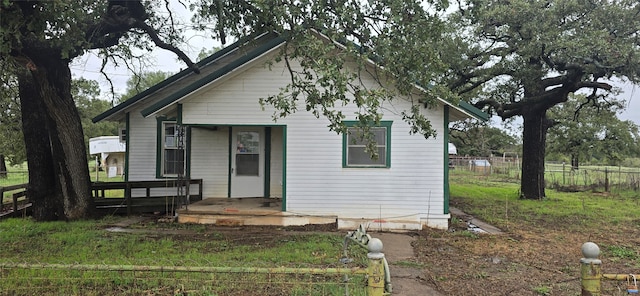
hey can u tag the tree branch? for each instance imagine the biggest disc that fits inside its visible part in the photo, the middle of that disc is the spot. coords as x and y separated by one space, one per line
156 39
122 16
593 84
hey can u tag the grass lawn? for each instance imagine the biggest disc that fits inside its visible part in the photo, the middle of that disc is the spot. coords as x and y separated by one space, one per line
497 202
169 244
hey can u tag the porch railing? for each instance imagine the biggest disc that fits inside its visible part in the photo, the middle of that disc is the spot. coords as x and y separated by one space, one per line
18 201
123 198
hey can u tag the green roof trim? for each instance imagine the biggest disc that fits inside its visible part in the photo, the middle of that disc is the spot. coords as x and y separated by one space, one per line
477 113
213 76
169 81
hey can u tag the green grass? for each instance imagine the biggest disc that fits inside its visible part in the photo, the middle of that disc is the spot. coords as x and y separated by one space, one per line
15 175
621 252
87 242
19 175
495 201
409 264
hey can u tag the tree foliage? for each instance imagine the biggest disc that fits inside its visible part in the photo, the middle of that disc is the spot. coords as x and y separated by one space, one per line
11 142
142 81
474 139
522 57
86 94
584 131
518 58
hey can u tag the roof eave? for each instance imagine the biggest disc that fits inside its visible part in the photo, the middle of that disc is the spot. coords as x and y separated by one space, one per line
473 112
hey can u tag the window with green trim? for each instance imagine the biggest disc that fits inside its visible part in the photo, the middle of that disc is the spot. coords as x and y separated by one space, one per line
173 152
355 153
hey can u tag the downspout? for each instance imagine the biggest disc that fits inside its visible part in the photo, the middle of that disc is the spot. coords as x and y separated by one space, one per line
126 148
446 160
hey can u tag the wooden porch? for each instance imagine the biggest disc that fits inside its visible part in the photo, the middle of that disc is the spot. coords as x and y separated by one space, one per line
245 211
143 196
134 197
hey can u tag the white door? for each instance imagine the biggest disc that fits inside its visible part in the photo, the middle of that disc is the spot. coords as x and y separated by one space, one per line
247 162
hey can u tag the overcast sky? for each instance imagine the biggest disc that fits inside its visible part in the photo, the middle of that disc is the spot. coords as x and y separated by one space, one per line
631 95
88 66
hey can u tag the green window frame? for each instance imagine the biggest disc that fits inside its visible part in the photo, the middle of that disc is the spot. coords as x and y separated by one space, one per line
171 160
354 154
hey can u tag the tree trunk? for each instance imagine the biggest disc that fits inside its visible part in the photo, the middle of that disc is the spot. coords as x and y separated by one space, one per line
52 78
3 167
43 191
574 161
533 150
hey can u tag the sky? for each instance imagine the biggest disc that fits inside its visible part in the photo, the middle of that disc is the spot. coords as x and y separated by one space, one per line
631 95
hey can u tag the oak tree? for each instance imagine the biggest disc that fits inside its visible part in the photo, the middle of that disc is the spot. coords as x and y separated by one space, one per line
40 38
522 57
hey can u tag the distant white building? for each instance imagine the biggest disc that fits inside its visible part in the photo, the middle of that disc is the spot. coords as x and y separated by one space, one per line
112 154
452 149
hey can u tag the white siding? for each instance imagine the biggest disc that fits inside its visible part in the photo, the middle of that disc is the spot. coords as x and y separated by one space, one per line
412 188
142 147
210 160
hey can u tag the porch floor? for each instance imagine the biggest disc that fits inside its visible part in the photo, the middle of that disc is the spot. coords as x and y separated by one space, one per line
245 211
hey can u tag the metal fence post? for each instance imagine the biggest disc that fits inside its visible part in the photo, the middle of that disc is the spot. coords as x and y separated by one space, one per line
590 270
375 270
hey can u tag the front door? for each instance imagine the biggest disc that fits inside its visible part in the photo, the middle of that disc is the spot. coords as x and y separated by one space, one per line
247 162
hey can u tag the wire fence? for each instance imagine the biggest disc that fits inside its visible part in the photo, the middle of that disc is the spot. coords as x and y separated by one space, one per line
79 279
348 276
557 175
13 177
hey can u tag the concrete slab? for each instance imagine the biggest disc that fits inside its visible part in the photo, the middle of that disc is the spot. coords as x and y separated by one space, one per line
405 280
474 223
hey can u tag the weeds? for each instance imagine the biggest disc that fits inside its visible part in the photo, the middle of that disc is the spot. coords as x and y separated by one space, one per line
542 290
410 264
621 252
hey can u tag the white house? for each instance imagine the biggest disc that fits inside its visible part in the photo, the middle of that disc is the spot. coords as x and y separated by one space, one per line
238 150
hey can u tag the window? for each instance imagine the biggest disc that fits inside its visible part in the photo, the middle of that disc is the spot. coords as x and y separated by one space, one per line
248 154
354 146
173 152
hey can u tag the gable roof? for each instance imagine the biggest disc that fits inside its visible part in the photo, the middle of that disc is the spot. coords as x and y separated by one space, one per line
256 46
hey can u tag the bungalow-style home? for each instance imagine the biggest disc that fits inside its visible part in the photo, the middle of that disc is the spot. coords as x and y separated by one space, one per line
234 145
